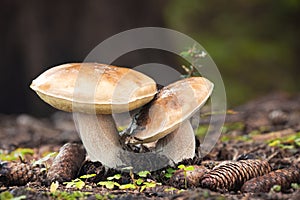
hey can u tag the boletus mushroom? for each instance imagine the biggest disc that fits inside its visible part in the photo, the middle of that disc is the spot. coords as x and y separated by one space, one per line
94 92
94 88
173 105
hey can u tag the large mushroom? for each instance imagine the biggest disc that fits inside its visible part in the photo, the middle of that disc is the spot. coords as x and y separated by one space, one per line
94 92
94 88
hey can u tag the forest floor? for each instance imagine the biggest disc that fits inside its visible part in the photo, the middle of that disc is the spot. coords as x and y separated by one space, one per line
267 129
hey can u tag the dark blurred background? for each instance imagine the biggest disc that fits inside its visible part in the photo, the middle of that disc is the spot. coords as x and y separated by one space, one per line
255 44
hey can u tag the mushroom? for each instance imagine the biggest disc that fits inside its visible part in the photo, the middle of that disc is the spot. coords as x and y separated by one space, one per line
95 92
101 141
94 88
173 105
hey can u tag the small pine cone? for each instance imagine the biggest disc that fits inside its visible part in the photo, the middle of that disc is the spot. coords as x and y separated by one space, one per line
232 174
14 173
282 177
67 163
192 177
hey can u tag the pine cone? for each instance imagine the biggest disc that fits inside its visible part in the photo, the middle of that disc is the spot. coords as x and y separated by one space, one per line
232 174
14 173
282 177
67 163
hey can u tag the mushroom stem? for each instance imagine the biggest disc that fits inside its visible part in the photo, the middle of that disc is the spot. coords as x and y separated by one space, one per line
100 137
180 144
102 142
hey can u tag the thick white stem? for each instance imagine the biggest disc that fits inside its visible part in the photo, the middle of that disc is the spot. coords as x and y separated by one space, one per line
101 140
178 145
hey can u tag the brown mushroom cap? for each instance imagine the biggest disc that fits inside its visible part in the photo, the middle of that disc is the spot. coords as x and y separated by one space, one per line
174 104
94 88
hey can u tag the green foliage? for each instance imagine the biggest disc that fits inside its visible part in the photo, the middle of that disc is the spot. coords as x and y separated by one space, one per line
297 142
148 185
244 41
121 128
170 172
139 183
78 183
109 184
8 196
276 188
185 169
87 176
62 195
289 142
295 186
128 186
116 176
143 174
54 186
16 154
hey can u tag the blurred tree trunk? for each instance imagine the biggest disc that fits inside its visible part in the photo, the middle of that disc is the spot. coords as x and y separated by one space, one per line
36 35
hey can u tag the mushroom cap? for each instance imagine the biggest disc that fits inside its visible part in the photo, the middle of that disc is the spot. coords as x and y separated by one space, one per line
174 104
94 88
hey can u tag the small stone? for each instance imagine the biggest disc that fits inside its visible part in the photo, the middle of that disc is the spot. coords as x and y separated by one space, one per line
278 117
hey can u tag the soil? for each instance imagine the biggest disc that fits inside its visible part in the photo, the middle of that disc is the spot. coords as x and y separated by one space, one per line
252 131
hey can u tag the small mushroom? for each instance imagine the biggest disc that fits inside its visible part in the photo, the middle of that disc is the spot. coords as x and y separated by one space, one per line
173 105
